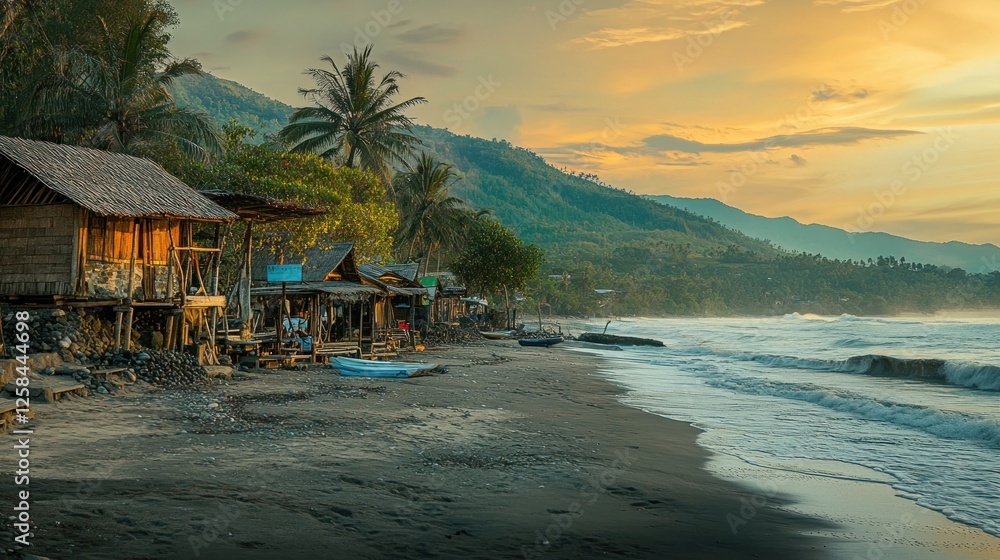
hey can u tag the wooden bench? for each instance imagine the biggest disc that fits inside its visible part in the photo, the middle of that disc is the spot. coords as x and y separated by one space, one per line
327 349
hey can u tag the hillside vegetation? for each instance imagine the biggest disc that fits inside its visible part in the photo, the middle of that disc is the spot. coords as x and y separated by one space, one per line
654 258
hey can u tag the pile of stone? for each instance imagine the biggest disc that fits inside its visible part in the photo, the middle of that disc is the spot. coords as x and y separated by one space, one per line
170 369
165 369
76 336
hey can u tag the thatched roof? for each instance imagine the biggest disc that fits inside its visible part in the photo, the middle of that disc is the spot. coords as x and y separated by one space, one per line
108 184
256 208
317 264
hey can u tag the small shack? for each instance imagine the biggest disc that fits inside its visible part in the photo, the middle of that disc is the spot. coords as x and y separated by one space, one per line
332 303
396 309
445 293
87 228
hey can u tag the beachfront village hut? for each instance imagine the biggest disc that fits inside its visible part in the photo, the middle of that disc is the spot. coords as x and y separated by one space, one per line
445 294
396 307
332 305
87 228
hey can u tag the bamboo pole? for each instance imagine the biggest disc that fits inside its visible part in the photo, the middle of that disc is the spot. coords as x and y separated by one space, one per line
131 284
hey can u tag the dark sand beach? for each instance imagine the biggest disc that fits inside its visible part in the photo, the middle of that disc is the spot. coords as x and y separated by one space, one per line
509 453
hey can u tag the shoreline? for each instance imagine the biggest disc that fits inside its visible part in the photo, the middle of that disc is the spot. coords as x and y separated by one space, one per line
513 453
869 518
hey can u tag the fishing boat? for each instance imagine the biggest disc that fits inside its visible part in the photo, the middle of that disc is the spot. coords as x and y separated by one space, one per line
353 367
546 342
496 335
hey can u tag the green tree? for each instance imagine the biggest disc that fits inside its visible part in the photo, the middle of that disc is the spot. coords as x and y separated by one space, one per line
430 219
355 120
97 75
494 260
355 201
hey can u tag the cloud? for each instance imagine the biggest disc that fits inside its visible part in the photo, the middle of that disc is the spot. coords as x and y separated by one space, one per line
432 33
610 38
245 37
827 92
559 107
856 5
820 137
798 160
411 63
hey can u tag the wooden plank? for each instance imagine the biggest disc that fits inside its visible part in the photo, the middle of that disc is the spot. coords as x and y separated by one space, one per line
205 302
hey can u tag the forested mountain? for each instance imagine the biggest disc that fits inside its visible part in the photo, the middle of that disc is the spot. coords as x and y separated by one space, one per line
836 243
654 258
542 204
226 101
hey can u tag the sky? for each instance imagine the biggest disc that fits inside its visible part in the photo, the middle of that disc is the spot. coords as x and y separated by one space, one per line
868 115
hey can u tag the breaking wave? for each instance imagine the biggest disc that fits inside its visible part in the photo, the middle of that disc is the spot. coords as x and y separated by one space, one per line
947 425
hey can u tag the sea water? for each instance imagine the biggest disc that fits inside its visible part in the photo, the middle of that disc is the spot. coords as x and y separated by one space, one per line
917 400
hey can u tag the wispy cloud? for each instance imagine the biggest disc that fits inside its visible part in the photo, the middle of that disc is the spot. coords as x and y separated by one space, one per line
827 92
432 33
410 63
820 137
609 38
856 5
245 37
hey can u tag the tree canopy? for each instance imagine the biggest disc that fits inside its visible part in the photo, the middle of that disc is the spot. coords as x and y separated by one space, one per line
355 119
493 260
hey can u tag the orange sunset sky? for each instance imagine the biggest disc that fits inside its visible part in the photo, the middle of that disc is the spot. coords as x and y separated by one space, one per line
869 115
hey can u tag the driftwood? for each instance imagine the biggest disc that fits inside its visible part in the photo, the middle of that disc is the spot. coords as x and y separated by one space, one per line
597 338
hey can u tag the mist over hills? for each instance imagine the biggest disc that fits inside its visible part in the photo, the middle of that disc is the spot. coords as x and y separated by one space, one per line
836 243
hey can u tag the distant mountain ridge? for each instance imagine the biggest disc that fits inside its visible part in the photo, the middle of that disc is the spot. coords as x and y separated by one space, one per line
792 235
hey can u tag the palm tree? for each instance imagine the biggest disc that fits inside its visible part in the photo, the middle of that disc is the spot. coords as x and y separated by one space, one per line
355 120
430 218
117 99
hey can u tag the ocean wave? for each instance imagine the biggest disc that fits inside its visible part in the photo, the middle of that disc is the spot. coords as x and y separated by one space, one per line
983 377
948 425
852 343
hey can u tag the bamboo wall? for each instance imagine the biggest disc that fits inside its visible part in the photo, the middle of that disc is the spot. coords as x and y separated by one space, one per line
36 249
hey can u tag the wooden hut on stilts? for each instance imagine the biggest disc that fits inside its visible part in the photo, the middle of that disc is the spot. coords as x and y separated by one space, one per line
88 228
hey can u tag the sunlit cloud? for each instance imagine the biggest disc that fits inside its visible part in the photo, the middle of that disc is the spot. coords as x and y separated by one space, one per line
856 5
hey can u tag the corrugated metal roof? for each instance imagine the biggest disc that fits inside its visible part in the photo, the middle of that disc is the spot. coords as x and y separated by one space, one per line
110 184
343 291
407 270
316 263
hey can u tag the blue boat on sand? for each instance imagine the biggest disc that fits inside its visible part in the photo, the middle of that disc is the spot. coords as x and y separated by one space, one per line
353 367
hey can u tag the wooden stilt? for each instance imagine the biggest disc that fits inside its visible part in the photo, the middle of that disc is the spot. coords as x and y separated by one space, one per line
118 330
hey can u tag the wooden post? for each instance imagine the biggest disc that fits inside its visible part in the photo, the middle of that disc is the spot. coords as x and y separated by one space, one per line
168 335
118 330
131 285
314 326
214 322
280 329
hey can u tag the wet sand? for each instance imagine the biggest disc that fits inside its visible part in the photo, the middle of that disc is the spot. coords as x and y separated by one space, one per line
510 453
